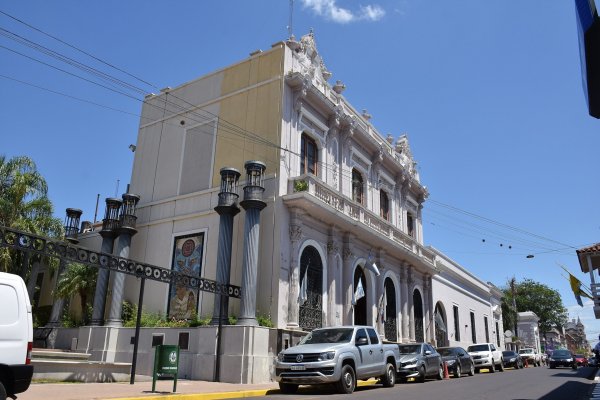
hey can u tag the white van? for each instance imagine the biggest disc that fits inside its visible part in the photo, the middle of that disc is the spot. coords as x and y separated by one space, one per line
16 336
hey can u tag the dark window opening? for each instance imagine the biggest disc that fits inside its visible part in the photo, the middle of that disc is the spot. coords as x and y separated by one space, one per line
456 324
473 333
410 225
357 186
487 329
384 205
308 156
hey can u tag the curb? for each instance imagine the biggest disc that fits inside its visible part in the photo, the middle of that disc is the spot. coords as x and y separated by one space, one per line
220 395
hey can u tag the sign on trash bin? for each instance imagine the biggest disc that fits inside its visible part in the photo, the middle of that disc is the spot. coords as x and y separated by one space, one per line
166 362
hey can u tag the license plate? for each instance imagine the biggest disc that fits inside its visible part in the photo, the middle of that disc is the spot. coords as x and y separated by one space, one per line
297 367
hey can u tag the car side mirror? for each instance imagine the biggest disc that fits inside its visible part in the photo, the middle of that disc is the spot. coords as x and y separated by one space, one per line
427 352
361 341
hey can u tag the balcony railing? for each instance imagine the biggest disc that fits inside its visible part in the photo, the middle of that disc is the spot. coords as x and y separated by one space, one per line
332 198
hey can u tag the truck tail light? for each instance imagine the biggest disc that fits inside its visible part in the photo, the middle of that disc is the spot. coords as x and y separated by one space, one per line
28 356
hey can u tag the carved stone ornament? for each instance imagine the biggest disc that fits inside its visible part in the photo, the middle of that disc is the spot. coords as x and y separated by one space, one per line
339 87
295 233
332 248
309 58
347 254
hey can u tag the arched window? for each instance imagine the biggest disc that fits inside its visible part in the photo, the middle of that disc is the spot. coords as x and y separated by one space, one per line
384 205
357 186
308 155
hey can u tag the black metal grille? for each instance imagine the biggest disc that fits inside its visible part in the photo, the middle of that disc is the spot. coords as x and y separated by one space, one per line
54 248
311 312
309 357
390 328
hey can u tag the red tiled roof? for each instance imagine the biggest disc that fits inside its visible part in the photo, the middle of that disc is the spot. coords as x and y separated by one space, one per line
595 248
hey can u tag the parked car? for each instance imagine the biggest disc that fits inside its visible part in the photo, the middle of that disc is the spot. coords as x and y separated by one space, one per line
581 360
16 336
562 358
486 355
458 360
532 356
512 359
592 362
338 355
419 361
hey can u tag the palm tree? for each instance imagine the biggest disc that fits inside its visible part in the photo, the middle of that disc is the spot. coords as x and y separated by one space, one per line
24 205
77 279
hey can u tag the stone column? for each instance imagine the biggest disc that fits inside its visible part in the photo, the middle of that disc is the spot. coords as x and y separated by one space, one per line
332 253
404 303
110 225
348 282
411 308
126 232
294 277
227 210
426 305
253 205
431 306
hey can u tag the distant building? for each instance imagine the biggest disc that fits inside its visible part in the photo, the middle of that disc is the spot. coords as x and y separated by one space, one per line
576 337
528 330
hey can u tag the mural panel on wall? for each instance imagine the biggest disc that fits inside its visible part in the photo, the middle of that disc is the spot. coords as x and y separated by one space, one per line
187 259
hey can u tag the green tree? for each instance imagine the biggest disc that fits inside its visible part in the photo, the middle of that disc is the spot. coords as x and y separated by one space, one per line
77 279
24 205
529 295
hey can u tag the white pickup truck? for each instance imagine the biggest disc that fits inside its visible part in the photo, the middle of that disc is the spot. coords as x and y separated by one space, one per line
339 355
531 355
486 355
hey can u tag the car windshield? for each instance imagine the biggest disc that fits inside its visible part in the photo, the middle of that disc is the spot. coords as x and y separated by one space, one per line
579 355
410 348
479 347
340 335
525 351
508 353
448 351
561 353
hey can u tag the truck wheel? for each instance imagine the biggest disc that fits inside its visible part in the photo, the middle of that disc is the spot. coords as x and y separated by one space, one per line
422 373
2 392
493 367
501 368
440 374
288 388
389 379
347 381
472 370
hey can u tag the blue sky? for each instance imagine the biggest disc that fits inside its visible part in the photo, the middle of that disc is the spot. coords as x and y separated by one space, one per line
489 94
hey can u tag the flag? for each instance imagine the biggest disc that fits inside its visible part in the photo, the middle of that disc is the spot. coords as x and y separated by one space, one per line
576 288
383 306
439 321
371 266
303 289
358 293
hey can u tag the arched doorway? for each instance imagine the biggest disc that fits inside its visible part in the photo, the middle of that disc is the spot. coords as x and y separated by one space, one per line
441 327
360 306
418 316
310 314
390 327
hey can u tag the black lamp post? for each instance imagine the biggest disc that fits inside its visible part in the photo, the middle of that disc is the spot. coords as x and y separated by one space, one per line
227 210
110 227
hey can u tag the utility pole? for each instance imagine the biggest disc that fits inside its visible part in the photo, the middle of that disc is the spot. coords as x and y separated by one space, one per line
513 292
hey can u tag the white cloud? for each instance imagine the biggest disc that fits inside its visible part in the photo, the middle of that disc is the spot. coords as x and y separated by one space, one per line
331 11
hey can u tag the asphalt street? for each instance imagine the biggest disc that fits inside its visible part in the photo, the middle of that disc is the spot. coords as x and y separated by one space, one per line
531 383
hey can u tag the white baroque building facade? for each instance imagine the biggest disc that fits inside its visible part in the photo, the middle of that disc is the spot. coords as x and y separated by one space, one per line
339 198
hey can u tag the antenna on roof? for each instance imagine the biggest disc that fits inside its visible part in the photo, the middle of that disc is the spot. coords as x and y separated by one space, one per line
291 21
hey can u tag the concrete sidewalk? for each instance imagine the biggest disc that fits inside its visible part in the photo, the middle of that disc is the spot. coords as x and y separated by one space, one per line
186 390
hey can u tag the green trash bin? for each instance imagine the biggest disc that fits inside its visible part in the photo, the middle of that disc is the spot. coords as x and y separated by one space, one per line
166 363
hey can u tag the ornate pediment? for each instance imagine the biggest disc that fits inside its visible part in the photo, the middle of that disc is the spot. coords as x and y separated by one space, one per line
306 53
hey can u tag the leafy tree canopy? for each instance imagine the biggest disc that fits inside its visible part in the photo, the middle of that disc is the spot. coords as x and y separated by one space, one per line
529 295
